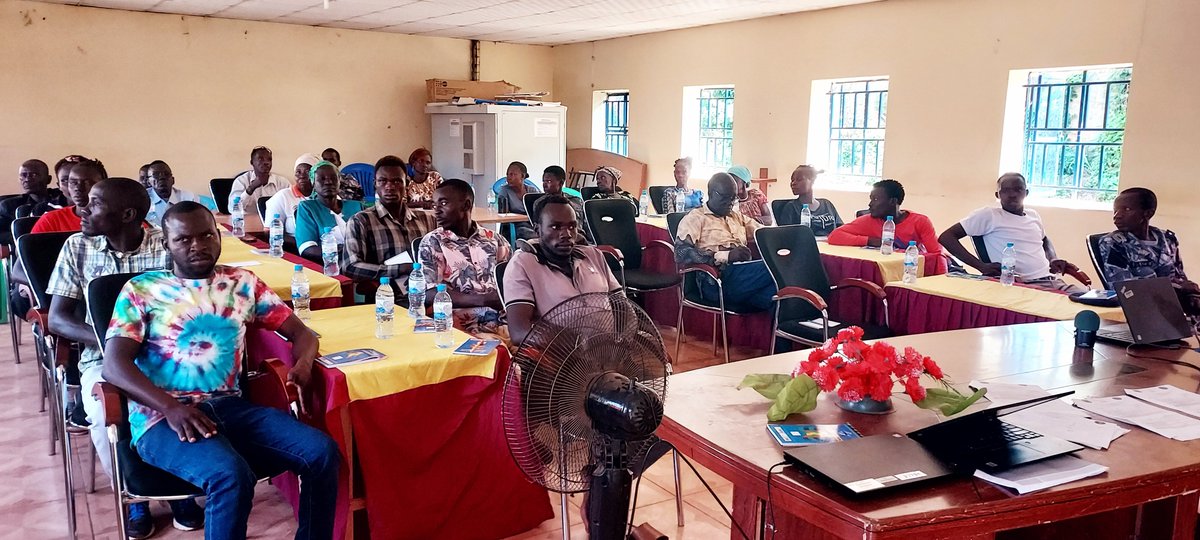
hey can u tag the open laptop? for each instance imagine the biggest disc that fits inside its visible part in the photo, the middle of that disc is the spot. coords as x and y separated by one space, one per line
1152 310
978 440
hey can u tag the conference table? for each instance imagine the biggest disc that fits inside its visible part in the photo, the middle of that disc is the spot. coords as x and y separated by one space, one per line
1151 488
420 432
324 291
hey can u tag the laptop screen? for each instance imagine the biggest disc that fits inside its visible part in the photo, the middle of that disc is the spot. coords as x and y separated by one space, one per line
1152 310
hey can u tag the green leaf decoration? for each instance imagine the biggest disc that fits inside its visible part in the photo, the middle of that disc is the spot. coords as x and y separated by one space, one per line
766 384
799 395
948 400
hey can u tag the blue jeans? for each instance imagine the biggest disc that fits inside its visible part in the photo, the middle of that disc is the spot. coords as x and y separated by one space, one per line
748 286
248 433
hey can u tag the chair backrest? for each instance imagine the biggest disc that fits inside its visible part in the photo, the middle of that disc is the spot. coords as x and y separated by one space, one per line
25 210
691 285
862 212
587 192
981 250
102 294
365 174
38 253
1093 248
529 199
22 226
613 222
220 188
500 268
777 210
416 247
262 210
502 180
790 253
656 198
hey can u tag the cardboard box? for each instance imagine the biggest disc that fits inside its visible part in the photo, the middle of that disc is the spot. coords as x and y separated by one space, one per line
444 90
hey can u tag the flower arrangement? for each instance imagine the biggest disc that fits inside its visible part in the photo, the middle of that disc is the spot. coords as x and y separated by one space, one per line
858 371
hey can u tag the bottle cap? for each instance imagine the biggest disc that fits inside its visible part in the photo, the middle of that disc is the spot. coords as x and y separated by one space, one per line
1010 244
416 266
889 218
441 287
276 216
298 268
385 280
324 230
805 205
912 242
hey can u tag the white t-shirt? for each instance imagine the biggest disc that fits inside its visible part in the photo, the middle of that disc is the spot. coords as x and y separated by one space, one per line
284 203
275 184
998 227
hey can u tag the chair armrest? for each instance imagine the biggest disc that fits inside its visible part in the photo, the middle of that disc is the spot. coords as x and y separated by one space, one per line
5 251
113 401
62 351
612 252
39 317
863 284
1082 277
659 244
280 372
697 267
802 294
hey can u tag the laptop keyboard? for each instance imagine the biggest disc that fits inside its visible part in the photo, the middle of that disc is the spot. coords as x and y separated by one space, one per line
1116 335
1007 433
1013 433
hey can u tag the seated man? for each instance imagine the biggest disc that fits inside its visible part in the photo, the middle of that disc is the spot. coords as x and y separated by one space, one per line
175 345
350 189
867 230
258 182
692 198
113 241
385 230
553 268
463 255
163 192
1139 250
81 178
607 188
285 202
1036 263
825 217
716 234
553 180
35 191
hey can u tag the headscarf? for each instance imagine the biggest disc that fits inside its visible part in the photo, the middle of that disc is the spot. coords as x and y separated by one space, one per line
612 171
310 159
312 175
741 172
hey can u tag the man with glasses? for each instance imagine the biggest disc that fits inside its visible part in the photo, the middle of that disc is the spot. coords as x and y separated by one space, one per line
163 192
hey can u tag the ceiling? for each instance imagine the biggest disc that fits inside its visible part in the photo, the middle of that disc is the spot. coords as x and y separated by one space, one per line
540 22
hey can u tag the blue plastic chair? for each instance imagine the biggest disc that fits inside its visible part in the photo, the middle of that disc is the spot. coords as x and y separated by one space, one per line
365 174
500 183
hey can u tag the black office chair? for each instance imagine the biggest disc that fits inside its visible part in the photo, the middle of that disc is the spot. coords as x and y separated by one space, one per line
586 193
220 189
656 198
262 210
801 305
691 297
500 268
613 222
19 227
777 207
981 250
530 199
25 210
1093 248
134 480
862 212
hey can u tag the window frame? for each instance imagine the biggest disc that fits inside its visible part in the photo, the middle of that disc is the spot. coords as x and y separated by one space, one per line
616 122
714 127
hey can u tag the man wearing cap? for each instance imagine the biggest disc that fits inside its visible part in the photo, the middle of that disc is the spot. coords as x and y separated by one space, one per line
606 182
751 202
284 202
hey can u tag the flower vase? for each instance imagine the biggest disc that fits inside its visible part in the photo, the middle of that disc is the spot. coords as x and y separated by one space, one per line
866 405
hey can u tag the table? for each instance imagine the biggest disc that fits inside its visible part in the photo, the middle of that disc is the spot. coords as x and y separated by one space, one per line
843 262
1152 487
325 291
939 303
487 216
420 430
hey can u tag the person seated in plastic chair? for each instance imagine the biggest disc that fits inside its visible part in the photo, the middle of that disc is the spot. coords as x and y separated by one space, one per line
718 235
175 345
1036 263
692 198
350 189
867 230
324 209
553 180
511 197
163 192
258 182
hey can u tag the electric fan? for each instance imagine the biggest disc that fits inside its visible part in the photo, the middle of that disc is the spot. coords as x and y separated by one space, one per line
582 401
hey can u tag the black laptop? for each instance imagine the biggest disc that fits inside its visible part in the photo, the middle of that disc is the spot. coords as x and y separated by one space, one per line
979 440
1153 312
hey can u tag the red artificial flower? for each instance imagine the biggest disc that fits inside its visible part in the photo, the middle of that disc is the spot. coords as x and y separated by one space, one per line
912 387
846 334
851 390
932 368
881 387
826 377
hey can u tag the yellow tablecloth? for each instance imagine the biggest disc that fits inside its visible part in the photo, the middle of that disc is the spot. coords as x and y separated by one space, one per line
1050 305
275 272
891 267
412 359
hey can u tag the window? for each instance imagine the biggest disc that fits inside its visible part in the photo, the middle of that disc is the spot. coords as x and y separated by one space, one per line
846 130
616 123
1074 127
715 133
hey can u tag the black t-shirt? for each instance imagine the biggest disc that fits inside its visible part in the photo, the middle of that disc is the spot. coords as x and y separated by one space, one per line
825 217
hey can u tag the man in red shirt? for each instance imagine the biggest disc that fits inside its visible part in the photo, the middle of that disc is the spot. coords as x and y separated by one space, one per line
84 174
867 230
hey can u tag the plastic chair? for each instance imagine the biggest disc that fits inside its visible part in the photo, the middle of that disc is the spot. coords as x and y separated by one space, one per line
613 222
220 189
586 193
791 255
862 212
262 210
529 200
364 173
500 183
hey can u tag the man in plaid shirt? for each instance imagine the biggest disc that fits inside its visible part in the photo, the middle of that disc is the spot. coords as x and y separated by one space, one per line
381 232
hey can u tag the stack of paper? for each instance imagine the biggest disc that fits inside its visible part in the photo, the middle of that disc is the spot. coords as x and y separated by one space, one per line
1171 397
1131 411
1056 417
1044 474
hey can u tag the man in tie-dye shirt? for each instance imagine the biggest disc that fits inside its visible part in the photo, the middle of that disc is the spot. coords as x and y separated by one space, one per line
175 344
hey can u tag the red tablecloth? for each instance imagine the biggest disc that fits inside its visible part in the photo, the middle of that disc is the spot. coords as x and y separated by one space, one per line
434 461
855 305
915 312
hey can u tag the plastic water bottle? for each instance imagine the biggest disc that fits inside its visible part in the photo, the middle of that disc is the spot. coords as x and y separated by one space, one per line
805 216
889 236
443 311
911 255
276 236
300 296
644 203
681 200
239 218
491 201
329 253
416 292
385 307
1008 262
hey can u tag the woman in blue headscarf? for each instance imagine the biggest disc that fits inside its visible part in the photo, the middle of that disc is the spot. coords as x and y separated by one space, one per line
323 210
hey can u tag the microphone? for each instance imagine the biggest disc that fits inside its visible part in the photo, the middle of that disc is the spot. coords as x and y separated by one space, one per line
1086 324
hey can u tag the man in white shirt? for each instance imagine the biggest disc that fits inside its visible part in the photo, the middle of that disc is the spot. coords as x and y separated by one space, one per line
1036 262
163 192
285 201
258 182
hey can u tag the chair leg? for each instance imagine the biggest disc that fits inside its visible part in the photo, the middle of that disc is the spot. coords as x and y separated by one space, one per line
714 333
118 486
678 488
563 516
91 484
724 337
12 328
45 389
679 330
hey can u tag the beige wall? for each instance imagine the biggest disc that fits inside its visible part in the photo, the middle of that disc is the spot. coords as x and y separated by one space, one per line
200 92
948 62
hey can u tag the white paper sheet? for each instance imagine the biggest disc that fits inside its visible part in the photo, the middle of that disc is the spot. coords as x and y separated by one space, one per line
1139 413
402 258
241 264
1171 397
1044 474
1057 418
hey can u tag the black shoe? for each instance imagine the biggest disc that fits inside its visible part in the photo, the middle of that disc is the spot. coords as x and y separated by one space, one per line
76 416
141 523
189 516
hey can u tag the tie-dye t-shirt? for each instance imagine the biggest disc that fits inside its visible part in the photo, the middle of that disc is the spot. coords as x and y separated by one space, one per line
192 332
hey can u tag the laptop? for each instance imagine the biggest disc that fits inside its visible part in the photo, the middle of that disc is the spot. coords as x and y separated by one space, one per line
978 440
1153 312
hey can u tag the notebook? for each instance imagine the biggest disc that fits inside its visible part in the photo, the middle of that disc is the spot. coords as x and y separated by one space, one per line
806 434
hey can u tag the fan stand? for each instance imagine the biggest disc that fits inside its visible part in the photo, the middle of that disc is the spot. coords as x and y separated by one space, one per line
608 496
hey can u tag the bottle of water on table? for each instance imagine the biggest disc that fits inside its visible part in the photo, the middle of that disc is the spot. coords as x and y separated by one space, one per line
276 236
889 236
443 313
1008 261
385 307
239 218
805 216
681 200
416 292
329 253
300 294
911 255
644 203
493 205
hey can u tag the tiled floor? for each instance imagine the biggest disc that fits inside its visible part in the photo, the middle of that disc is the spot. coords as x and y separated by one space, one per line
32 494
